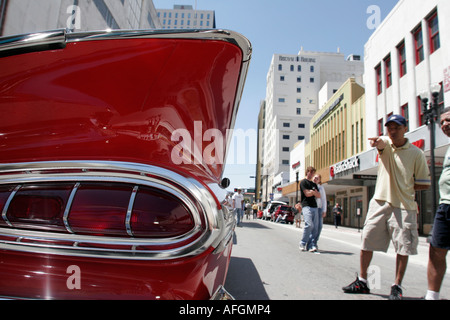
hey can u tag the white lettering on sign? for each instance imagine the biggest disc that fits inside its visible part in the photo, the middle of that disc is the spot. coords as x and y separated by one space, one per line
345 165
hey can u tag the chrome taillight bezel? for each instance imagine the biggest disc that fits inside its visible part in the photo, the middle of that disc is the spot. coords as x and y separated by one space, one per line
211 224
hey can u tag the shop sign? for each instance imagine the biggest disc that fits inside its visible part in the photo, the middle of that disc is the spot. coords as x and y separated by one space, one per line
344 166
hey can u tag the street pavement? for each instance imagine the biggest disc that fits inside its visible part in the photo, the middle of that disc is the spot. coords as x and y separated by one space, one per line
266 264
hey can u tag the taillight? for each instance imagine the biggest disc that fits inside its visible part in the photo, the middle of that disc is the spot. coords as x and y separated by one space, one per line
5 192
100 209
97 209
38 207
157 214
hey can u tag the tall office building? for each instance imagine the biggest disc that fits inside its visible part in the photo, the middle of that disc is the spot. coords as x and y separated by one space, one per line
186 17
297 87
26 16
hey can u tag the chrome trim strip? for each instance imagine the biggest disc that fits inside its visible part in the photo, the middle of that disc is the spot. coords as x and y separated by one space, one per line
62 37
204 34
8 202
130 210
68 206
33 39
217 225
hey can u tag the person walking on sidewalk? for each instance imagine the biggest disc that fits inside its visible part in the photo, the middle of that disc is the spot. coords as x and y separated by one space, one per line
321 211
309 192
298 215
238 205
337 213
440 236
392 213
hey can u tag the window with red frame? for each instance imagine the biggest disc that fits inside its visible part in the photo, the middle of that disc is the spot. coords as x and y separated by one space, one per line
380 127
433 31
402 58
387 67
379 79
420 111
418 45
405 113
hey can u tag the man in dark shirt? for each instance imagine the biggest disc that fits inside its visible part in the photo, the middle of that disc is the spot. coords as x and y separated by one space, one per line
309 192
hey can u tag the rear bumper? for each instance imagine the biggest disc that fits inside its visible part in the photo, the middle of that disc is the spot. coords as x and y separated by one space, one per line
31 276
222 294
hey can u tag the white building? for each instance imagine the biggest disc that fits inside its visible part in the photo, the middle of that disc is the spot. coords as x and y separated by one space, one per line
26 16
408 53
292 99
186 17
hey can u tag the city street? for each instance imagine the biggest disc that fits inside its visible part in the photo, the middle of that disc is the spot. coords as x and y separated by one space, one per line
267 264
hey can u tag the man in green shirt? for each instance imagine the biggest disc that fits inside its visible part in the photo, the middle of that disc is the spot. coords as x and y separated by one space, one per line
440 237
392 214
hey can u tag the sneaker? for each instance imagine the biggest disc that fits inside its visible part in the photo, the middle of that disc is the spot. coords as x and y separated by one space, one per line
396 293
302 247
357 286
313 249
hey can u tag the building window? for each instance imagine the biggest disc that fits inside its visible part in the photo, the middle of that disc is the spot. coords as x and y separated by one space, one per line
286 137
299 68
280 67
286 162
299 111
299 79
362 134
281 78
311 68
292 67
285 149
301 125
420 111
281 100
379 80
388 71
402 59
299 100
299 90
311 80
301 138
418 45
380 126
286 125
405 114
433 31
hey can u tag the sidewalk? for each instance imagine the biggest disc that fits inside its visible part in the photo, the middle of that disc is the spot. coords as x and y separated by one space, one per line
352 236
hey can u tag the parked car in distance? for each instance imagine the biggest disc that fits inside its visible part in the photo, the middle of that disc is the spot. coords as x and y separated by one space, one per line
271 206
284 213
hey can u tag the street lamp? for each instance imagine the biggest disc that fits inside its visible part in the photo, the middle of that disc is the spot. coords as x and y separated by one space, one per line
431 112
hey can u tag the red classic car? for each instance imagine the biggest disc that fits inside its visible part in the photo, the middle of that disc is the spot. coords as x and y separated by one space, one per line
111 163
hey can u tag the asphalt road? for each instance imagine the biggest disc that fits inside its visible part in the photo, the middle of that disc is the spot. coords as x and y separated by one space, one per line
267 264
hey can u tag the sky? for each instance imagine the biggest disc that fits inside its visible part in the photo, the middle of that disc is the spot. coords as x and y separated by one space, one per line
283 27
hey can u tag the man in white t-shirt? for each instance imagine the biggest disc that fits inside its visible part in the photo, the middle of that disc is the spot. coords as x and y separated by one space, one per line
238 205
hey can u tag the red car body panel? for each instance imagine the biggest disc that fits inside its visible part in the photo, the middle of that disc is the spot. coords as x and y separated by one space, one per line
109 108
117 100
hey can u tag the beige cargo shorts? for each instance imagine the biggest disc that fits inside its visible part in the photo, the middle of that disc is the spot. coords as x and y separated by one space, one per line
385 223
